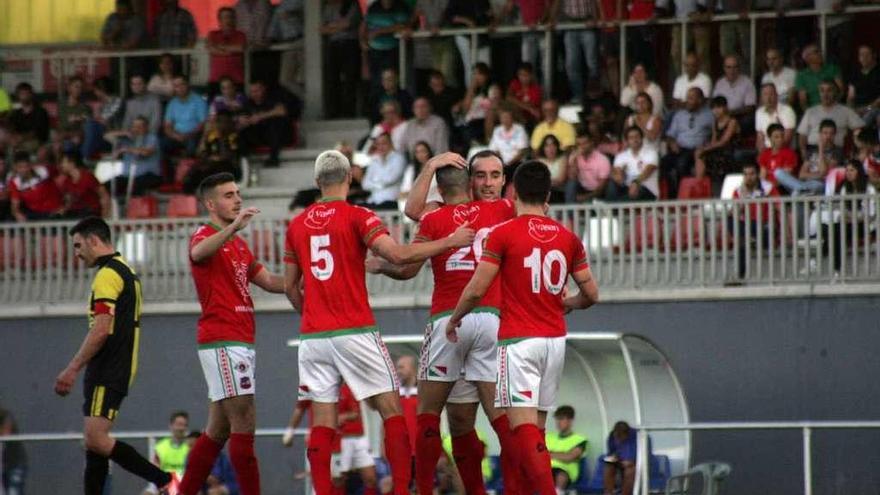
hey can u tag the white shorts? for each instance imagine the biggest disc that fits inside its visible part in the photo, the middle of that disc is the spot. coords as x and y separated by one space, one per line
354 453
471 358
463 392
229 370
529 372
361 360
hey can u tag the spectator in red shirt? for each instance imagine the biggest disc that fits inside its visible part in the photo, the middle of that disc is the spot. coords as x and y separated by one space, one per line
525 95
33 193
83 195
777 156
226 46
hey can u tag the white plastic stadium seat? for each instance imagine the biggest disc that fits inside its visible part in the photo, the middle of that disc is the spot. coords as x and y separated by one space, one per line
603 235
731 183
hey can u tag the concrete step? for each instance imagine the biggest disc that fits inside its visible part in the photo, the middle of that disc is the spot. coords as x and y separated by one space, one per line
335 124
327 139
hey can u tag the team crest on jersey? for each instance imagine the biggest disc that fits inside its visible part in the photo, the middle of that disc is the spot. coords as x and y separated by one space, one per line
542 232
465 213
318 217
245 382
242 367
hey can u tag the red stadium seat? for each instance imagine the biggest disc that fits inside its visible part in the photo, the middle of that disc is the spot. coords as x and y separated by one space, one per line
182 206
693 188
646 231
142 207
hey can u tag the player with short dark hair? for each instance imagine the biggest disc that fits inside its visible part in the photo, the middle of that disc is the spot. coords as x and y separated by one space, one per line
534 256
223 268
109 355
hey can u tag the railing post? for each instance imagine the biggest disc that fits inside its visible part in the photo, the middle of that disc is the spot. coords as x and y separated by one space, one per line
622 68
753 26
683 49
643 456
822 34
808 460
401 61
547 59
247 67
122 77
475 49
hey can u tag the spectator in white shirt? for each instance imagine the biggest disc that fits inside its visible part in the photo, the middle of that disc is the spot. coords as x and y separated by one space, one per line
638 83
772 111
692 77
737 88
384 175
780 76
634 176
509 139
845 119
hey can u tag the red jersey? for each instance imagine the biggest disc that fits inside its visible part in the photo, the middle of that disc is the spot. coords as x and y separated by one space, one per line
329 241
223 284
453 269
764 190
536 255
82 194
771 162
348 404
230 65
39 193
530 95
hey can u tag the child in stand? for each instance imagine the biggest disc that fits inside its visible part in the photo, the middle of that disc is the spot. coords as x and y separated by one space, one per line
777 156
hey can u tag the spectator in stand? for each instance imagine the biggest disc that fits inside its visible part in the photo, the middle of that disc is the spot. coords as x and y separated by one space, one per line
838 31
287 26
142 104
581 46
83 195
175 26
607 142
639 83
780 76
734 36
620 459
5 211
123 29
854 214
264 122
566 449
33 193
610 12
772 111
845 119
435 53
73 113
588 171
392 124
868 144
389 90
533 13
184 118
226 46
253 18
477 105
229 99
420 157
108 116
13 458
550 153
384 175
162 82
694 12
690 78
383 20
641 40
691 128
509 139
739 92
818 160
864 86
777 156
470 14
552 124
171 452
445 100
759 217
811 77
219 152
634 177
424 126
341 21
715 158
525 95
140 153
29 123
646 120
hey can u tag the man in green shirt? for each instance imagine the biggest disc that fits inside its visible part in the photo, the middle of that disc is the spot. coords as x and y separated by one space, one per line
171 452
808 80
566 448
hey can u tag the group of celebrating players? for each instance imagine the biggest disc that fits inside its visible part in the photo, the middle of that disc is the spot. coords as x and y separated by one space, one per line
496 335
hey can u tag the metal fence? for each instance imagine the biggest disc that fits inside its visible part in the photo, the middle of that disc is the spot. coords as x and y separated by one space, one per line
772 242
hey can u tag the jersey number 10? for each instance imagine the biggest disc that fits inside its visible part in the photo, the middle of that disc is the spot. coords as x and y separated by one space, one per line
543 270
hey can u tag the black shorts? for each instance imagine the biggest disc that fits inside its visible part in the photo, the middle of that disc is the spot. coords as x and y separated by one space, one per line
101 401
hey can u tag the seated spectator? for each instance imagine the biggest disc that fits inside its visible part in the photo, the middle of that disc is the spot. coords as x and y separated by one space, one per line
389 90
424 126
83 195
646 120
739 91
509 139
778 156
566 449
845 119
691 128
811 77
140 154
162 82
384 175
420 156
184 118
772 111
142 104
218 152
264 122
33 193
691 78
588 171
479 105
868 144
29 123
524 93
780 76
818 160
607 142
550 153
639 83
620 459
171 452
226 46
864 86
5 211
552 124
445 100
73 113
392 123
174 26
854 214
759 217
109 116
229 99
634 177
384 19
715 158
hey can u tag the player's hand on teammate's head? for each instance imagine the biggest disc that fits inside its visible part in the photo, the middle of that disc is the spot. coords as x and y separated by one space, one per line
64 382
463 236
452 330
448 158
245 216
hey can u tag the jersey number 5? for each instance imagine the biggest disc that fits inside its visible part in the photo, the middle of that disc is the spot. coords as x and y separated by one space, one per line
543 270
319 253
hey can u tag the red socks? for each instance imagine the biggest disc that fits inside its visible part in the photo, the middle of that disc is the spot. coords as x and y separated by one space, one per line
535 458
244 463
468 452
509 463
199 464
370 490
429 447
320 450
398 453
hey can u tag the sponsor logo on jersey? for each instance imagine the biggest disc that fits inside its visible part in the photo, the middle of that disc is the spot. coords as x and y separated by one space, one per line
319 216
465 213
542 232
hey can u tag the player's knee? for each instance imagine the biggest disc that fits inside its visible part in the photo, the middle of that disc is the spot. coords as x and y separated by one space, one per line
461 418
98 442
387 404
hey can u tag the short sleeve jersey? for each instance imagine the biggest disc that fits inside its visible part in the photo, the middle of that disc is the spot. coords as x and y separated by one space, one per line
347 404
536 255
453 268
329 241
223 285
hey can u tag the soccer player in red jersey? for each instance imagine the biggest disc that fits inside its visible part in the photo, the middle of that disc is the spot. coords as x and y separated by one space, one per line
223 268
534 256
325 250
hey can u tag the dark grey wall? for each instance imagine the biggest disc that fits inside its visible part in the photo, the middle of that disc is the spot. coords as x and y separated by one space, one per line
782 359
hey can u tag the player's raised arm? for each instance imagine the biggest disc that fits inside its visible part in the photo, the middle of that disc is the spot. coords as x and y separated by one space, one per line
589 291
471 296
416 201
400 254
204 249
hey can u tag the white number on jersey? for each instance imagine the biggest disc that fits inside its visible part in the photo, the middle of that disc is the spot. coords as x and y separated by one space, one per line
457 260
543 270
318 254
